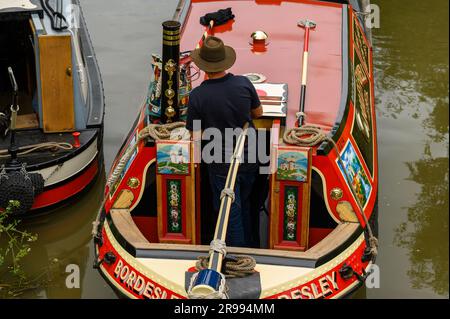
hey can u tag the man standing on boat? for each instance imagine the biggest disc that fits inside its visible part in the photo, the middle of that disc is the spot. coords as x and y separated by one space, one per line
226 102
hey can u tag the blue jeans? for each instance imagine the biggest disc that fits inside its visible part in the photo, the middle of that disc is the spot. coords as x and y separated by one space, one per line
239 223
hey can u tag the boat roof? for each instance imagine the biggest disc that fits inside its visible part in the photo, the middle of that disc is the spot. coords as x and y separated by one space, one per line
282 61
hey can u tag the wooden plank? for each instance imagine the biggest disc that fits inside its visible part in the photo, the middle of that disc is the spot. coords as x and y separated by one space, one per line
128 229
305 212
159 205
274 186
191 207
27 121
57 84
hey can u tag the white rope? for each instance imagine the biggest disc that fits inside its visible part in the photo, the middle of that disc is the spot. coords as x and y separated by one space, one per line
219 246
228 192
23 150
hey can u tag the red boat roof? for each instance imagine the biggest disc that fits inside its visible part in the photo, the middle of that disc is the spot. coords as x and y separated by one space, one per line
282 62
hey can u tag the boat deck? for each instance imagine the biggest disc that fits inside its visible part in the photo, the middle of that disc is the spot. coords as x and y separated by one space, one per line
282 61
44 158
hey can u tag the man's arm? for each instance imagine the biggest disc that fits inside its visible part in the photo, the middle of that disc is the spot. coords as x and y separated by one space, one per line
257 112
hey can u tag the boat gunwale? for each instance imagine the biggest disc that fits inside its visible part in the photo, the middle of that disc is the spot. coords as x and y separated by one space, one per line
95 98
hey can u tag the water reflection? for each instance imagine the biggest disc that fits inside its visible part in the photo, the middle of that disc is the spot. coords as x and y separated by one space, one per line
411 87
428 223
64 238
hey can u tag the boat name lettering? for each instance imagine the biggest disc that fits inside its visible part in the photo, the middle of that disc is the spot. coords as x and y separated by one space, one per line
324 287
140 285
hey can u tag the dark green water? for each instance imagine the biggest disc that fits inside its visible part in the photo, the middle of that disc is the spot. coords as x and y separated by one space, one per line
411 71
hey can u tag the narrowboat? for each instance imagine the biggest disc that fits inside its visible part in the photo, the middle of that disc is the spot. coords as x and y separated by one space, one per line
314 206
51 104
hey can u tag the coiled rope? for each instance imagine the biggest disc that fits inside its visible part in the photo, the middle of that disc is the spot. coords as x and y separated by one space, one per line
310 135
155 131
234 266
23 150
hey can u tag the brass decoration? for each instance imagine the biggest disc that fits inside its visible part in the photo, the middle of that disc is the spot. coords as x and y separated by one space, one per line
171 43
124 199
346 212
133 182
171 37
336 193
169 32
170 68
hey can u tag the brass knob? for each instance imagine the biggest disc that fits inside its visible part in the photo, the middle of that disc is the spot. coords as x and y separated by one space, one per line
133 182
336 193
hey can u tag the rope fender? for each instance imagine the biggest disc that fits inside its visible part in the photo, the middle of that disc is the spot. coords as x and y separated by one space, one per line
21 186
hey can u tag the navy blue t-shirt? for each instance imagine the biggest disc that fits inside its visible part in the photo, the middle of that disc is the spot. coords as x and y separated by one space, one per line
224 103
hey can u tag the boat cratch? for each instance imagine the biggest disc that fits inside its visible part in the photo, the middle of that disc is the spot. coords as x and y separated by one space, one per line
51 104
314 205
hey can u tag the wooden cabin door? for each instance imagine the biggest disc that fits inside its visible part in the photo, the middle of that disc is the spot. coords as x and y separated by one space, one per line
57 83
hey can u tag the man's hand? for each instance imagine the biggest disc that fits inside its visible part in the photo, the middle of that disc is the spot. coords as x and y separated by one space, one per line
257 112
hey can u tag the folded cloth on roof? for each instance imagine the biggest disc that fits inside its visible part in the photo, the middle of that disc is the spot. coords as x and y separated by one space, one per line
219 17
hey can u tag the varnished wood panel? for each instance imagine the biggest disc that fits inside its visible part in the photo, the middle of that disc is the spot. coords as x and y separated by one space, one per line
57 83
27 121
127 227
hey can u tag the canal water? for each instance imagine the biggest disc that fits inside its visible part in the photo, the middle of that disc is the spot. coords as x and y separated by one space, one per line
411 76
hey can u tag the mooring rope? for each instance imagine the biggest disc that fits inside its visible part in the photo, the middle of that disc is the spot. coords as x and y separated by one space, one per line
155 131
235 266
23 150
310 135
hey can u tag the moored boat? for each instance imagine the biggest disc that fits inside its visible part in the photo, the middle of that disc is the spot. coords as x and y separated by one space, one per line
51 104
315 205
